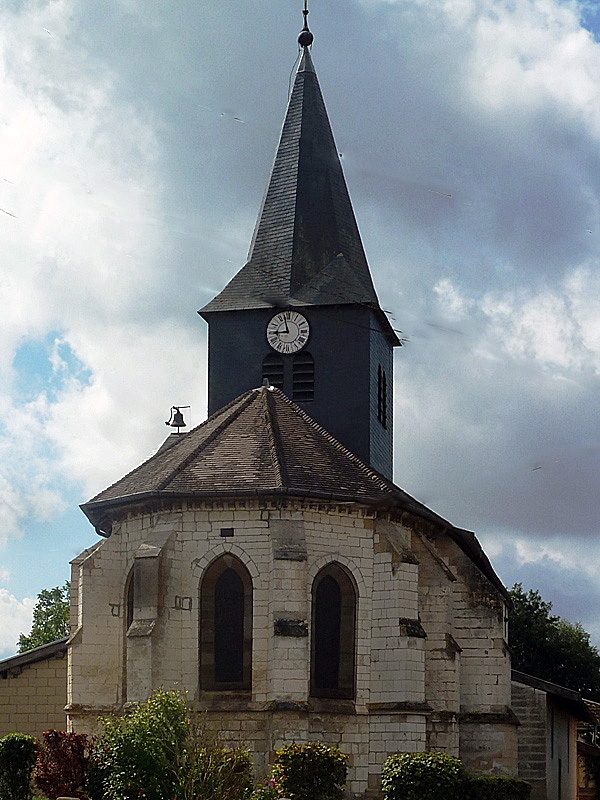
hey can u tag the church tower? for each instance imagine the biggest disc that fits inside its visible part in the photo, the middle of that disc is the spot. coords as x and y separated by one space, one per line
263 561
303 312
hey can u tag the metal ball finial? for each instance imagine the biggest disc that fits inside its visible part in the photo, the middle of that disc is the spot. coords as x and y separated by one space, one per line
305 38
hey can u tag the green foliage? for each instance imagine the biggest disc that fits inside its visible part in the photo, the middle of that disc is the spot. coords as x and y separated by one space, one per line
50 618
140 755
423 776
497 787
549 647
158 752
311 771
18 753
271 790
62 763
210 770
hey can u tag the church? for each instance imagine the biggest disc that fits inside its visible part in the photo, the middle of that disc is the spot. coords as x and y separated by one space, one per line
265 562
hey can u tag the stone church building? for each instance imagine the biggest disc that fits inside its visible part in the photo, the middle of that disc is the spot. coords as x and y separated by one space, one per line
265 561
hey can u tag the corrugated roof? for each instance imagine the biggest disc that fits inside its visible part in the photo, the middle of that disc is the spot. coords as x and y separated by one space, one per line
306 248
262 444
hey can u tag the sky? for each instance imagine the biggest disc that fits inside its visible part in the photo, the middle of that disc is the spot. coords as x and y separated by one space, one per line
136 140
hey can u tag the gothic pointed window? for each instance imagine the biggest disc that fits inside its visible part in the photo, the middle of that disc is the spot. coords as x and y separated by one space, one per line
226 626
333 633
303 377
272 370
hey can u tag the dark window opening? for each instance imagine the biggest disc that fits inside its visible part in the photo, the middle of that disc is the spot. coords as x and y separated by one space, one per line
229 628
333 634
272 370
328 599
226 626
382 396
129 601
303 377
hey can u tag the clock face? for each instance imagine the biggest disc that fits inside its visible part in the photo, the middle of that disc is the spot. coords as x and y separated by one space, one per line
287 332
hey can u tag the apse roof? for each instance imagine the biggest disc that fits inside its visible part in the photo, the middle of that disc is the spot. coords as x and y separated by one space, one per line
263 445
306 248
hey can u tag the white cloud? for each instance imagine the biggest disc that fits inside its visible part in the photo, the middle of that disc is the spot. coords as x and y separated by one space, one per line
79 257
15 618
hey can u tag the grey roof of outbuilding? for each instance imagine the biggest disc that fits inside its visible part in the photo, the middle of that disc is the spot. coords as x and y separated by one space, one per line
306 248
55 649
263 445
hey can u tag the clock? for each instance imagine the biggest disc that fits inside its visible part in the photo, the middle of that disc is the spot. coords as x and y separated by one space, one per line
287 332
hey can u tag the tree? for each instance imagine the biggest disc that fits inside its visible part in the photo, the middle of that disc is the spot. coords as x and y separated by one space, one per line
50 618
549 647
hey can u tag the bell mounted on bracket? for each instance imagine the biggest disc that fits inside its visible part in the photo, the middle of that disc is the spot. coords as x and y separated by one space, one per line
176 420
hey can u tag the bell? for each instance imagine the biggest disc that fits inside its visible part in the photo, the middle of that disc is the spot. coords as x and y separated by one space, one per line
177 420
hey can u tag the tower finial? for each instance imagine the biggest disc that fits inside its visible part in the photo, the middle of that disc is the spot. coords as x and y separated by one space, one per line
305 39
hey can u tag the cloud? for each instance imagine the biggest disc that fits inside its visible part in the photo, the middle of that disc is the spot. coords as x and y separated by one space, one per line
80 257
15 618
469 138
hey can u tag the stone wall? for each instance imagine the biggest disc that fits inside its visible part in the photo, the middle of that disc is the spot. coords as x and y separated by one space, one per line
33 696
431 669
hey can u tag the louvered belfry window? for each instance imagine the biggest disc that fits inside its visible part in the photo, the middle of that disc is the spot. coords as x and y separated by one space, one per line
303 377
272 370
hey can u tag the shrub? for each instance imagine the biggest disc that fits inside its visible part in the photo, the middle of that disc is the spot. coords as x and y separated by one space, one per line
497 787
157 752
140 755
210 770
311 771
61 764
270 790
17 758
423 776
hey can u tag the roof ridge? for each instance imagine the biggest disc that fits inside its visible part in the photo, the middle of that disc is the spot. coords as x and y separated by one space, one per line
275 437
244 402
365 468
160 451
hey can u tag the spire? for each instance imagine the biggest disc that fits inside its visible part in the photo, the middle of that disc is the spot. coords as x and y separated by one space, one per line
306 247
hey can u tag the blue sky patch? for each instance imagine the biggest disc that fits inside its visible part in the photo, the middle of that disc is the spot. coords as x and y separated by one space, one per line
43 365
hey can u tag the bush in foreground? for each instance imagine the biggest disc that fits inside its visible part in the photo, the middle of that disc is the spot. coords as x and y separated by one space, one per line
311 771
437 776
498 787
158 751
18 753
62 763
423 776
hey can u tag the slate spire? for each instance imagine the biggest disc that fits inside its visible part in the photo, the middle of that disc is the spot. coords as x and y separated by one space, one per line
306 248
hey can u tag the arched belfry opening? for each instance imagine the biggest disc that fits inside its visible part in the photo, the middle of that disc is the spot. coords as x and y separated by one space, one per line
333 633
225 635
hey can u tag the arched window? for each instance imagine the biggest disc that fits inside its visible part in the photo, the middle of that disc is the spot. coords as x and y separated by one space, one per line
333 638
272 370
129 595
226 626
303 377
128 606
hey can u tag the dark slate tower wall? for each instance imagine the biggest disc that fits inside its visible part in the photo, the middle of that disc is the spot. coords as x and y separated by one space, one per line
347 345
381 438
307 255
